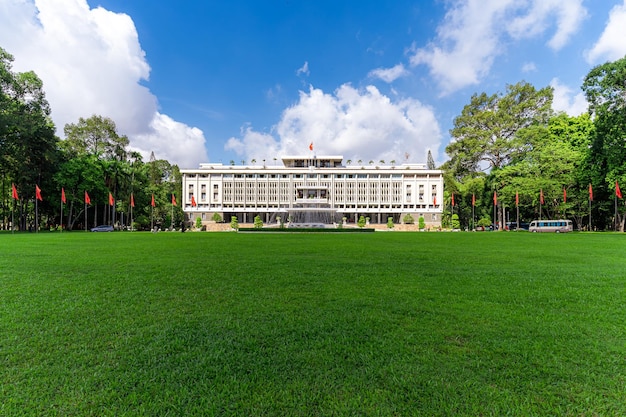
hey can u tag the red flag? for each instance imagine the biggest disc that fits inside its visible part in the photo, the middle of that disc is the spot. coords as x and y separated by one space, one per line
452 199
311 146
132 200
473 200
152 202
495 198
193 202
173 199
590 193
63 195
14 195
111 201
541 196
618 192
564 195
38 193
87 199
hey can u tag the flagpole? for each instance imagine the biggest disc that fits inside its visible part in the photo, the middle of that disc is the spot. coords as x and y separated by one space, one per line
152 215
616 212
85 216
61 216
590 215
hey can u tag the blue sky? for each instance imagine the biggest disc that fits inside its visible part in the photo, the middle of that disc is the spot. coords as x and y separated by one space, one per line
214 81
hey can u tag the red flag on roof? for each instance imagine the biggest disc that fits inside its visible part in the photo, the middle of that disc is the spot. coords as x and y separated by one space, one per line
38 193
618 192
63 195
87 199
14 192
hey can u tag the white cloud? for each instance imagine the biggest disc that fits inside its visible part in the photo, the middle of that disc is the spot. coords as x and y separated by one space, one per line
304 69
91 62
566 101
389 75
529 67
611 45
568 15
472 34
358 124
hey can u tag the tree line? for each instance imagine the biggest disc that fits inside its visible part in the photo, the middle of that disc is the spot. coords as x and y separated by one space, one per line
94 160
510 151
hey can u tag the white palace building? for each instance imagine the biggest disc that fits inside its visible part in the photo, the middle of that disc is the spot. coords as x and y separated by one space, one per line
313 189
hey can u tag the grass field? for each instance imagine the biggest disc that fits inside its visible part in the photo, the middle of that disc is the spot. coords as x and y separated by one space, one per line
430 324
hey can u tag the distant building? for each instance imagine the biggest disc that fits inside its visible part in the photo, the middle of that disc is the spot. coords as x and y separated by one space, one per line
313 189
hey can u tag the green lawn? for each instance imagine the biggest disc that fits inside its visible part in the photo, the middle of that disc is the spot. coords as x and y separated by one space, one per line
174 324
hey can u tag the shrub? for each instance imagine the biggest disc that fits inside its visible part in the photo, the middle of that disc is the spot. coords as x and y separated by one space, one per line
198 222
361 222
234 223
421 222
389 222
408 219
216 218
258 223
456 224
485 222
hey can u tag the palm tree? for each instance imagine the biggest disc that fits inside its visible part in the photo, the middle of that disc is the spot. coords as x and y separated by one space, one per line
371 162
253 161
349 161
360 161
382 162
232 162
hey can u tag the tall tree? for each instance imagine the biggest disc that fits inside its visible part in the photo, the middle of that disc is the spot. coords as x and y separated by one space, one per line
494 130
27 140
605 90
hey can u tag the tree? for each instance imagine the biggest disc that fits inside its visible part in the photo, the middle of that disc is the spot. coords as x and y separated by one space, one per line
234 223
430 161
487 131
493 131
27 140
605 90
97 136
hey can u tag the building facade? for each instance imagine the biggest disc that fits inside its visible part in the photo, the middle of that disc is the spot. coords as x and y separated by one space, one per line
313 189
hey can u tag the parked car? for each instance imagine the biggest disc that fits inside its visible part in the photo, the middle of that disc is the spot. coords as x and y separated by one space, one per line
102 228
